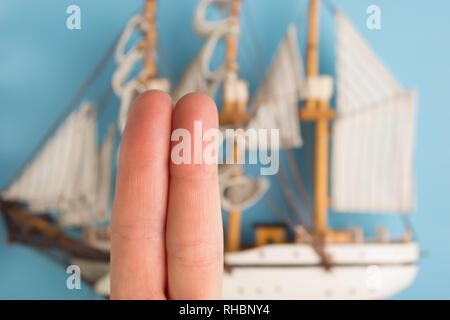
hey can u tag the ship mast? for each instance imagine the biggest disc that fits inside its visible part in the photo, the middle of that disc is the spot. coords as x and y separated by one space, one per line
320 112
313 40
147 78
148 45
234 113
233 39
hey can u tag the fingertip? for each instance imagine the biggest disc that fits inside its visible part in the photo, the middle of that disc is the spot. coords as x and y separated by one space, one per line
150 104
148 127
194 236
196 106
196 114
153 95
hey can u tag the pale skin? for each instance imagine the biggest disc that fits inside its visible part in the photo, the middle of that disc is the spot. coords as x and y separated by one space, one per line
166 225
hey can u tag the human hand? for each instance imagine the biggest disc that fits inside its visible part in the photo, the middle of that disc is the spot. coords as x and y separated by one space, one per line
166 225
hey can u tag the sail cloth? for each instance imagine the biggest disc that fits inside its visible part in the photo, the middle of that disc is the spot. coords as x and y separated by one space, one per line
373 135
275 105
93 206
47 181
63 175
362 78
105 173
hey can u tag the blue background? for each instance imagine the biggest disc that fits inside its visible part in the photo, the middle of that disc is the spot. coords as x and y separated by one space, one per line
42 64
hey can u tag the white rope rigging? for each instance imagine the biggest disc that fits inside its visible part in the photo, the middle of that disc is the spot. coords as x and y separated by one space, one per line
135 23
126 86
199 77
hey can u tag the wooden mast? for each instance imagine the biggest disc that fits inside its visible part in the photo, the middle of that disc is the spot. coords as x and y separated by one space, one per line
322 133
313 40
233 39
233 112
24 227
148 45
318 111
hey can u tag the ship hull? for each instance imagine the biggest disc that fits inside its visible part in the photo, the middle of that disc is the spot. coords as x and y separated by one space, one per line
314 282
293 271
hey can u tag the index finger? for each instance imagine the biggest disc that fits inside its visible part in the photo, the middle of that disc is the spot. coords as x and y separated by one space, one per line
138 261
194 236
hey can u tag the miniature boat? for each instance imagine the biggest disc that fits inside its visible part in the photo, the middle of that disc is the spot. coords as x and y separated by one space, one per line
371 166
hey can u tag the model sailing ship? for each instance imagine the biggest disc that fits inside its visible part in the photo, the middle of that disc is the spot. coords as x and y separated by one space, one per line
371 165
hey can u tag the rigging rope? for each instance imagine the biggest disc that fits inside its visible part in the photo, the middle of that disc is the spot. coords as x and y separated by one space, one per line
301 17
330 6
301 230
408 224
164 62
277 210
249 21
298 179
292 165
299 182
289 196
251 62
73 102
102 102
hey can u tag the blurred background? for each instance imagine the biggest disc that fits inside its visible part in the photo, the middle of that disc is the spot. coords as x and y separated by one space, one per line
43 63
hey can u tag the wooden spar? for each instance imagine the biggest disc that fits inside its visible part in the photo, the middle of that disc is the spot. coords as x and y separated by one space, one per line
321 172
21 223
321 113
232 112
232 39
313 40
150 41
233 240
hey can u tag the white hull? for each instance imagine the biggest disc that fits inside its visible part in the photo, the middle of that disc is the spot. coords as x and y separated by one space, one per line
293 271
301 283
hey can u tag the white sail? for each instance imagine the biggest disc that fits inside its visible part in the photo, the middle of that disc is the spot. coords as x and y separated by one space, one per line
275 105
87 180
362 78
93 206
373 135
105 174
83 187
47 181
